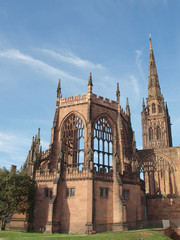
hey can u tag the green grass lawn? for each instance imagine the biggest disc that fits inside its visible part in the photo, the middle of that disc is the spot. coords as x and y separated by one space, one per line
132 235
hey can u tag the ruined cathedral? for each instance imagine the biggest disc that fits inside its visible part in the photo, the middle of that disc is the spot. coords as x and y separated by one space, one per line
92 177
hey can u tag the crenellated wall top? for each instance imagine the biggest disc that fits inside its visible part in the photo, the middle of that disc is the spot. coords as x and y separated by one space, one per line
45 175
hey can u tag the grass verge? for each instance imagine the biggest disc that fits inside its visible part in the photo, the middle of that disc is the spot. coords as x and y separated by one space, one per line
132 235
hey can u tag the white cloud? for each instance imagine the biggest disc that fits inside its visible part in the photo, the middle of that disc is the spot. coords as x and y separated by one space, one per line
71 58
139 63
135 85
45 144
14 149
12 143
26 59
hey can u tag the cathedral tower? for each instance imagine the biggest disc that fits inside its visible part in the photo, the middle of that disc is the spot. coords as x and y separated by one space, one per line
156 127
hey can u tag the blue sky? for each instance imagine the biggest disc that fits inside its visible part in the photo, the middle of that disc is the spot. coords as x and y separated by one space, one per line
42 41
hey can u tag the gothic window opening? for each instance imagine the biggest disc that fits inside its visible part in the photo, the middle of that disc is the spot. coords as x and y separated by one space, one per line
104 192
150 134
158 175
126 194
103 145
70 192
73 147
158 133
153 108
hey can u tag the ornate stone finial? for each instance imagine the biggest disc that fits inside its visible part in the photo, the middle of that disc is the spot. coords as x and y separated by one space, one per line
118 93
90 83
32 142
134 140
127 107
59 89
90 79
39 134
143 105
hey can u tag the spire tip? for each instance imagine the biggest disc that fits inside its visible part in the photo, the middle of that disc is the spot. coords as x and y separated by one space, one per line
150 36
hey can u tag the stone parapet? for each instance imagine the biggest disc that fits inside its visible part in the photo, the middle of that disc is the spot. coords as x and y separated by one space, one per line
74 174
45 175
78 99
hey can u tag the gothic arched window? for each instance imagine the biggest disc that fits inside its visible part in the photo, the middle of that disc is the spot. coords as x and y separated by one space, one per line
150 134
158 133
73 147
158 175
103 144
153 108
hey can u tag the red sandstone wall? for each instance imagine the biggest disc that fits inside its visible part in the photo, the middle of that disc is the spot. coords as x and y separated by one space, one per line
103 207
161 208
135 204
41 206
18 221
75 211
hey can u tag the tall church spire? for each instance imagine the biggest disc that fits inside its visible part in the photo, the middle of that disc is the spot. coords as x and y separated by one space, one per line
156 126
153 85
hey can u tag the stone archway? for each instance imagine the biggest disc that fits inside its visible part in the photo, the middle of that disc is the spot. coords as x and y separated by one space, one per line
158 174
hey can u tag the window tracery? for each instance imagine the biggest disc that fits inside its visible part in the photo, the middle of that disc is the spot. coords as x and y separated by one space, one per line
103 144
158 175
73 142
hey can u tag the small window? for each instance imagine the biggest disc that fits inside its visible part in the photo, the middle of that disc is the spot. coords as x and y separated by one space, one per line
126 194
70 192
50 193
104 192
101 192
46 192
67 192
150 134
153 108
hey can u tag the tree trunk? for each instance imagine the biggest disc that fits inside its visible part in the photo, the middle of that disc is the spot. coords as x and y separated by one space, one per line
3 223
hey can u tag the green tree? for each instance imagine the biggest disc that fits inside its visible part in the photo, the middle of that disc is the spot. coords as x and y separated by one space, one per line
16 193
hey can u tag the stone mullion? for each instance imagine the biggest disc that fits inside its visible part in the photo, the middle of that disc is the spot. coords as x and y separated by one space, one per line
108 152
98 151
156 181
103 147
167 185
173 183
146 177
162 182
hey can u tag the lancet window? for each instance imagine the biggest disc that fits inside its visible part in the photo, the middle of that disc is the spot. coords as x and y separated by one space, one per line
158 133
73 147
158 175
103 145
150 134
153 108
